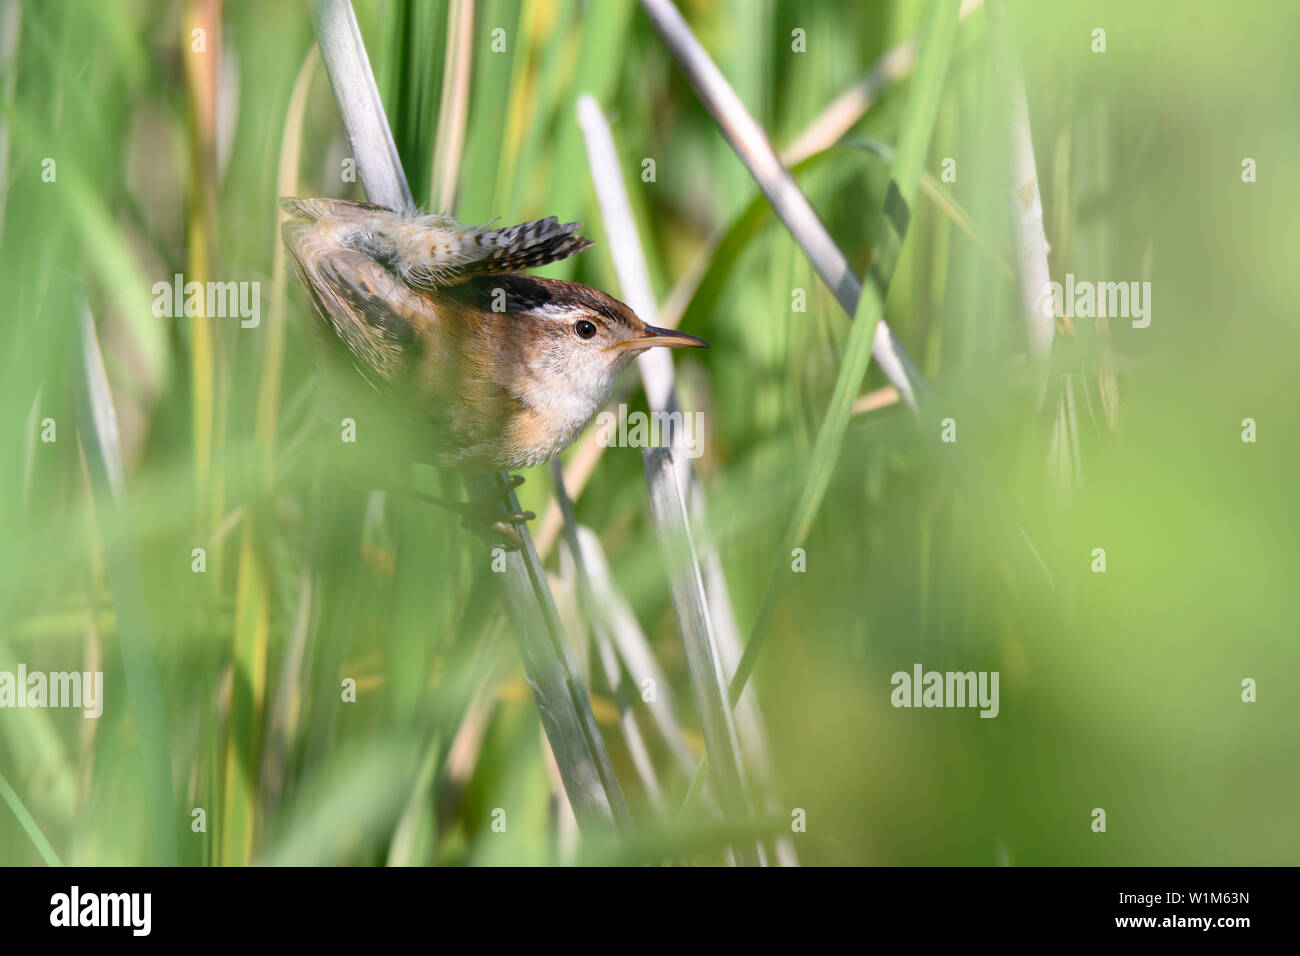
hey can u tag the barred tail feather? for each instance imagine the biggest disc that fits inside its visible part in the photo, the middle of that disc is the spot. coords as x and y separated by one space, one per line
526 246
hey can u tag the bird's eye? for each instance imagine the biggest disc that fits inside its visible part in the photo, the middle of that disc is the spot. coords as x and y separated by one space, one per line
584 328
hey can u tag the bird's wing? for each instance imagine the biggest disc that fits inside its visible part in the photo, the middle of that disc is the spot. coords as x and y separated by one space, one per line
342 210
382 322
430 252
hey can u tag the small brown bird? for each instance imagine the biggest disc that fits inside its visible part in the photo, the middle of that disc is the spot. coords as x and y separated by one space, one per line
498 370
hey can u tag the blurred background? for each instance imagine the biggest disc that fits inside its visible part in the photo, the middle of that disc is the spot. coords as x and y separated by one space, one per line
134 148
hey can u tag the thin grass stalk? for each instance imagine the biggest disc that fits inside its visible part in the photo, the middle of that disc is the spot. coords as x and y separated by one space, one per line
97 425
252 633
408 839
936 44
659 381
604 27
823 132
590 783
593 610
704 665
843 112
36 749
362 109
201 96
755 150
28 823
634 649
518 167
209 390
577 472
453 113
281 724
268 397
264 431
1025 202
937 35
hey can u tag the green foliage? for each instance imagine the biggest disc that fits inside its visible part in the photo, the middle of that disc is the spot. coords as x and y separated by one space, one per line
225 689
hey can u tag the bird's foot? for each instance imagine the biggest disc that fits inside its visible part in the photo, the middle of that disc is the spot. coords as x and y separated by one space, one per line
483 516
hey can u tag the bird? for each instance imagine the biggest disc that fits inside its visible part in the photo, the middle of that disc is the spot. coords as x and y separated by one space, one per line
490 369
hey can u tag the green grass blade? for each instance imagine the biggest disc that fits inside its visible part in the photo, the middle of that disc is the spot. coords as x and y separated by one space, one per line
752 145
28 823
937 35
98 427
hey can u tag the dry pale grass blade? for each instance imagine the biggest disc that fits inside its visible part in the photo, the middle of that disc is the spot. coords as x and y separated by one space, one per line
654 365
453 113
875 400
574 566
634 650
755 150
659 380
206 358
1026 204
406 837
369 135
843 112
1064 465
564 707
581 466
825 130
694 623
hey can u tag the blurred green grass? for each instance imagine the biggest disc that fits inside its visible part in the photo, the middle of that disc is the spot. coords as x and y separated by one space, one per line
1119 690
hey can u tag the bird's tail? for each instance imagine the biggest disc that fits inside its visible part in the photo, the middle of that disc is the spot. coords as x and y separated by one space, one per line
526 246
428 251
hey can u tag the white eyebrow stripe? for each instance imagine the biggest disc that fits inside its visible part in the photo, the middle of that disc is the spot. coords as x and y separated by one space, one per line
552 311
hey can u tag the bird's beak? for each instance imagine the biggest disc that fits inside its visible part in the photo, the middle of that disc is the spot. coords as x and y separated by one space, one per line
652 336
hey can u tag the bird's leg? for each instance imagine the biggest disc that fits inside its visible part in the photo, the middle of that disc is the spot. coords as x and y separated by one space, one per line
480 514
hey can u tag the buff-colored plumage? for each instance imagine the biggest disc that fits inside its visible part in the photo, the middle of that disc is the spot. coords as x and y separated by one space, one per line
496 369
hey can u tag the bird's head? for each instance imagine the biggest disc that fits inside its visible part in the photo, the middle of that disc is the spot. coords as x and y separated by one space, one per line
573 340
